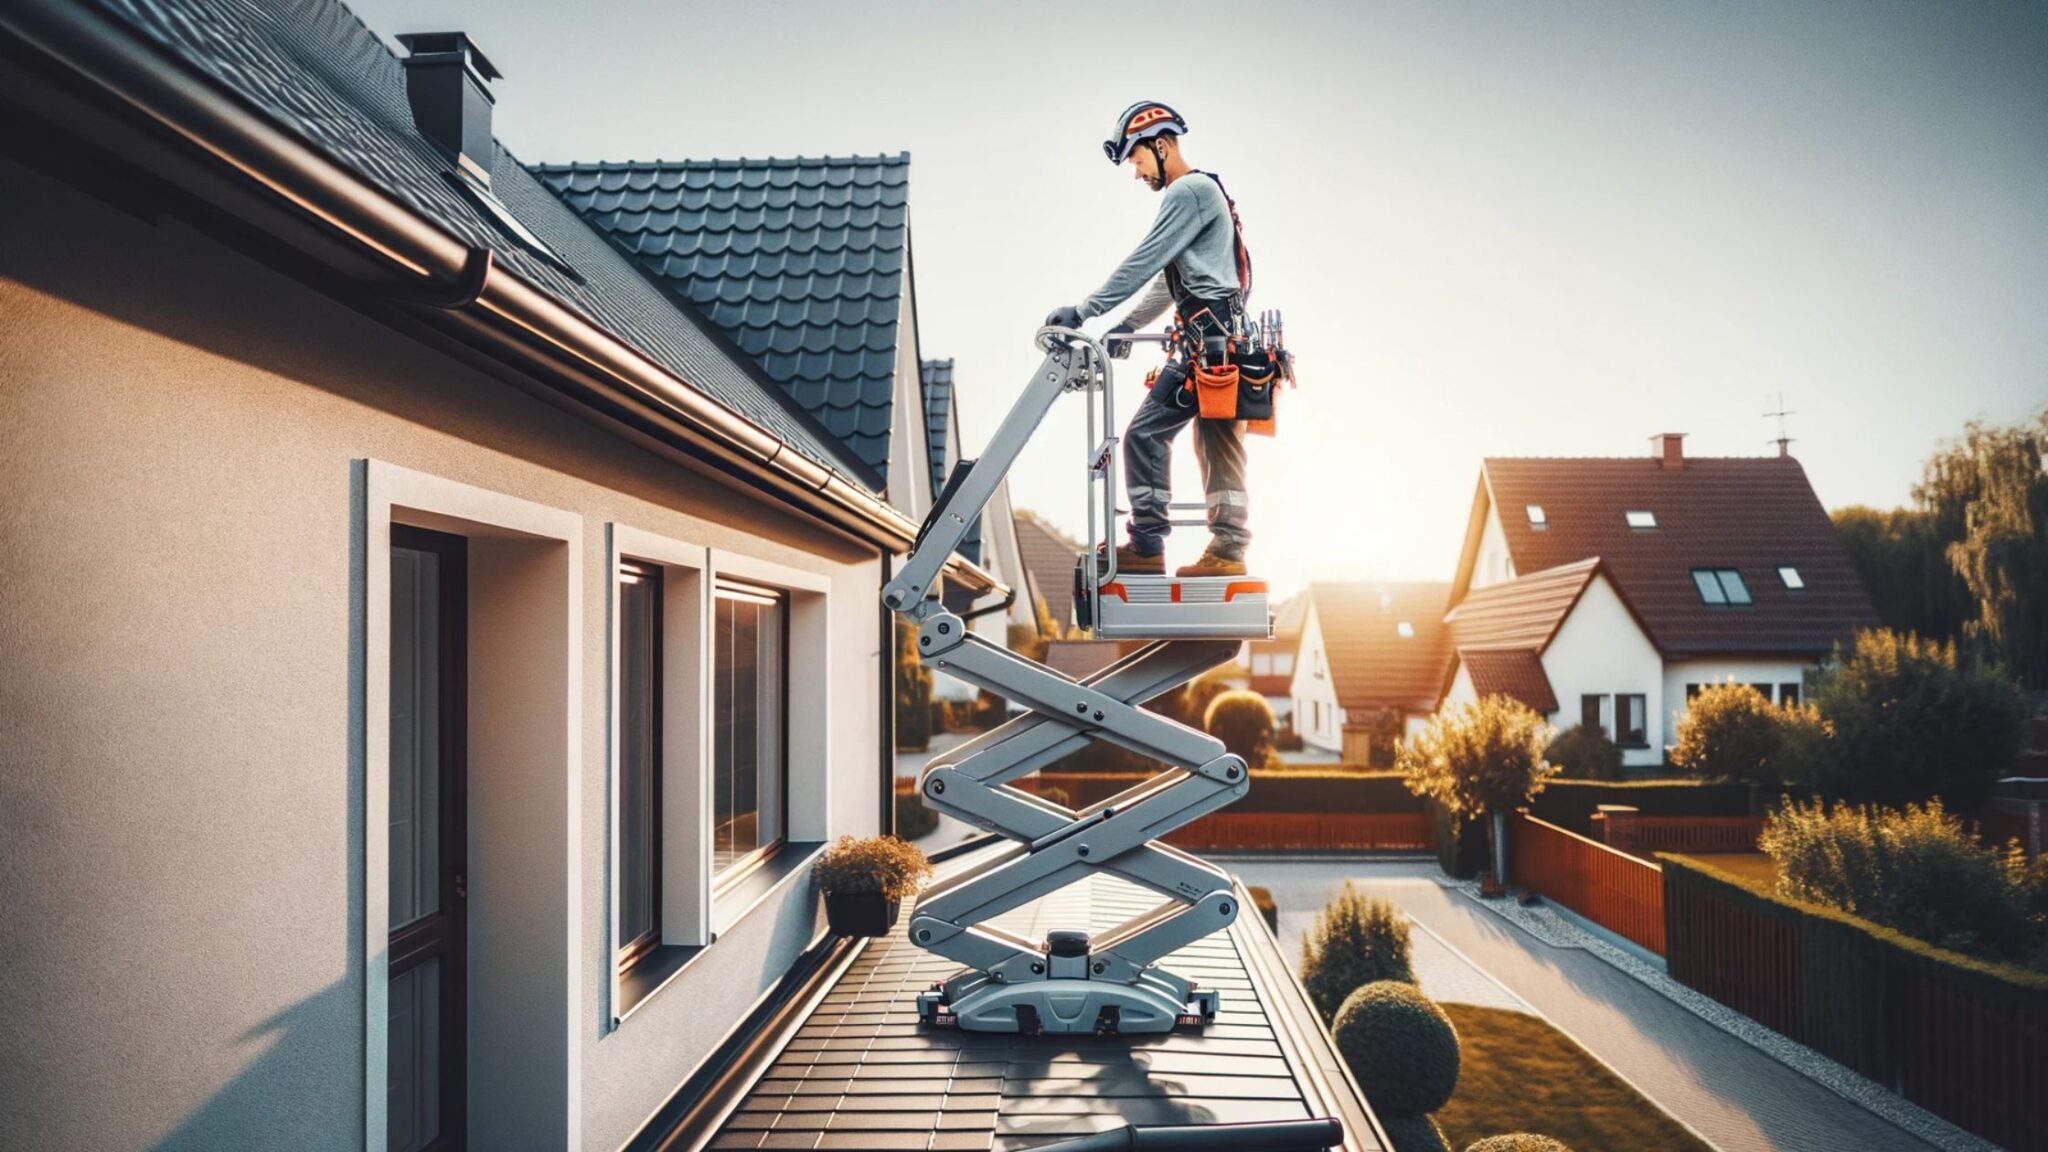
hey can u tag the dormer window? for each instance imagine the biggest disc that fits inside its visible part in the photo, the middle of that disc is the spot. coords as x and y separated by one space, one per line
1641 521
1537 519
1721 586
1406 630
1794 582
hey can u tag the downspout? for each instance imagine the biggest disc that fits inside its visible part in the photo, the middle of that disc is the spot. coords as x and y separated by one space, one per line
438 271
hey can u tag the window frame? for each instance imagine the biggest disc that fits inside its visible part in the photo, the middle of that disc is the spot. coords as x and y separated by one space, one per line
735 873
1795 582
1714 582
1642 711
630 954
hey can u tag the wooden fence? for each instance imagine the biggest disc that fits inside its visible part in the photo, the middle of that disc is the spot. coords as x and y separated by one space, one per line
1610 888
1955 1038
1697 834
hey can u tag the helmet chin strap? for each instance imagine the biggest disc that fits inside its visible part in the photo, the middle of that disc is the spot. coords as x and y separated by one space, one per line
1159 160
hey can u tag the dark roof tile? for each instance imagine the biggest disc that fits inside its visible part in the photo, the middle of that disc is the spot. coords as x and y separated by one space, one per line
1516 673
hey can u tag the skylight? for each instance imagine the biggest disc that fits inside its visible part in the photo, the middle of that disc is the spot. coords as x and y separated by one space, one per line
1536 517
1641 520
1722 586
1793 580
1406 630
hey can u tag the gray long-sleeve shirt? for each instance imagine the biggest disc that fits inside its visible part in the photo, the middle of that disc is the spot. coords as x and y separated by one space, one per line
1192 232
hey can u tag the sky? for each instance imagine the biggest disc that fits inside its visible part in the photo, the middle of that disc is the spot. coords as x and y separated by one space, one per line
1495 229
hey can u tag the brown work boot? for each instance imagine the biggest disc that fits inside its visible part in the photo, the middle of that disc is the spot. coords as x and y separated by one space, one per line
1212 564
1131 562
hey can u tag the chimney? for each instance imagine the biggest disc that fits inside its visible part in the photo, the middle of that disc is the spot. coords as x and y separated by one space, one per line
448 84
1669 449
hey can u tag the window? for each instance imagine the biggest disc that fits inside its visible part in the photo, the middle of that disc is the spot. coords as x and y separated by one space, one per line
1640 520
639 705
1692 692
1763 690
1537 519
1283 664
1406 630
749 707
1631 717
1321 670
1262 664
1788 693
1794 582
1590 708
1721 586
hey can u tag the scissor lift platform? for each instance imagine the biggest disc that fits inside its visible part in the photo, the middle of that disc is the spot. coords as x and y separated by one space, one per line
1177 607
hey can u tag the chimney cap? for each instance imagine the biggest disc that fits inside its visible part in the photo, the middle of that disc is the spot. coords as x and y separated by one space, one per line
425 44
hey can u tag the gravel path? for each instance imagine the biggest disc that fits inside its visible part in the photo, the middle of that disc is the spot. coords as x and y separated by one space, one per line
1733 1094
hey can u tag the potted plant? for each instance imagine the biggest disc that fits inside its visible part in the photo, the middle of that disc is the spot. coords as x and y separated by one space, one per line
865 881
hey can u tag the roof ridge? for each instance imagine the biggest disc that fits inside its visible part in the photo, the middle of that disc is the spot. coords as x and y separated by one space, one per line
715 163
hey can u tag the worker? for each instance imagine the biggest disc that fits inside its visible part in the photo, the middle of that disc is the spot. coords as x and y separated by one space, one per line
1194 260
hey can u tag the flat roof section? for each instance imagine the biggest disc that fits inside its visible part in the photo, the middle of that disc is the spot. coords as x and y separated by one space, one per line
861 1072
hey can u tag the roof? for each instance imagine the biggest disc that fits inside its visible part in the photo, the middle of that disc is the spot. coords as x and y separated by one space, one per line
940 425
800 262
1516 673
1752 514
861 1072
1049 556
317 72
1371 664
1523 613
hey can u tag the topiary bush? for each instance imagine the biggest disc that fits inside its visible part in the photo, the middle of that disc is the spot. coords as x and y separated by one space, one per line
1517 1142
1356 940
1911 722
1244 722
1918 870
1400 1047
1585 753
1413 1132
1730 732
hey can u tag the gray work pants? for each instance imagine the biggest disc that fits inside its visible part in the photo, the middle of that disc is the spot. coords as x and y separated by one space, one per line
1148 455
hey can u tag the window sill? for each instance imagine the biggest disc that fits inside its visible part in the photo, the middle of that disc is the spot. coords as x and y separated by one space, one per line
731 906
659 968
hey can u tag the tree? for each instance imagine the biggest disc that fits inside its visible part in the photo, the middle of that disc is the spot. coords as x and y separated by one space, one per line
1903 562
2002 553
913 692
1911 721
1485 756
1731 732
1244 722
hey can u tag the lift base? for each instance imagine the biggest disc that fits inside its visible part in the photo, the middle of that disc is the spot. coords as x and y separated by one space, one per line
1066 1007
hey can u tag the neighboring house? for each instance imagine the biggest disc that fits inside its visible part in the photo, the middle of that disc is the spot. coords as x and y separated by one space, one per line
1049 557
1270 663
1371 664
1608 591
437 650
991 539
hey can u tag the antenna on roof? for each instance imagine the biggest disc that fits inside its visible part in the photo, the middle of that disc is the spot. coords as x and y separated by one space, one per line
1784 442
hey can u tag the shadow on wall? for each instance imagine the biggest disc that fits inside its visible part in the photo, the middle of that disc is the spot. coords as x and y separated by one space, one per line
295 1063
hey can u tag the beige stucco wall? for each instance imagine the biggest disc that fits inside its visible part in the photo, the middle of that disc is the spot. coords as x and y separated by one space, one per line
181 835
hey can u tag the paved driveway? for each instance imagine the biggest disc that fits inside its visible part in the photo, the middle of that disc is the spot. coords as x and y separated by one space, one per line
1736 1096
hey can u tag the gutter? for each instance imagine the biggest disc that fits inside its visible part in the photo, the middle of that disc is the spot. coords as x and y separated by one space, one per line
425 269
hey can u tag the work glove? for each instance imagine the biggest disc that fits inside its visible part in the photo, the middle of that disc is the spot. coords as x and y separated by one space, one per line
1065 317
1118 349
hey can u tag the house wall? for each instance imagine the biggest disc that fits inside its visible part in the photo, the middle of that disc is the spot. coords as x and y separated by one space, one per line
1316 715
183 789
1599 649
1493 564
1680 673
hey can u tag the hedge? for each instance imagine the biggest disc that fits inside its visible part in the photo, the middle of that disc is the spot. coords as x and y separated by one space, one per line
1570 804
1375 792
1965 1038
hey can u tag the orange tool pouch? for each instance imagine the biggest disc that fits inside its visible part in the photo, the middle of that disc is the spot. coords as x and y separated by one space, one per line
1216 391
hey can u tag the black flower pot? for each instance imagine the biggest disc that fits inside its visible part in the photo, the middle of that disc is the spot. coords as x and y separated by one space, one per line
861 913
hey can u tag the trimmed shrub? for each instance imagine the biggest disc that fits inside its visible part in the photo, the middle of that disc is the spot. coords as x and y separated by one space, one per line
1919 871
1400 1047
1478 757
1244 722
1730 732
1189 703
882 864
913 819
1517 1142
1356 940
1583 753
1413 1132
1911 722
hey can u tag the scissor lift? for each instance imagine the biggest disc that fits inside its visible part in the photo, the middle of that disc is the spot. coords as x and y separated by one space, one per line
1070 982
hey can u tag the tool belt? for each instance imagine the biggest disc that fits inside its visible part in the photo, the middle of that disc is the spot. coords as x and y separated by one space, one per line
1209 370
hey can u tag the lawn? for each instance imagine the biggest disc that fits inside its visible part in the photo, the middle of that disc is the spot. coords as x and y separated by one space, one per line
1518 1074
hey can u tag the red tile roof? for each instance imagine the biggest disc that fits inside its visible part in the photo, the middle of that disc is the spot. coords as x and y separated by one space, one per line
1752 514
1523 613
1512 672
1371 664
